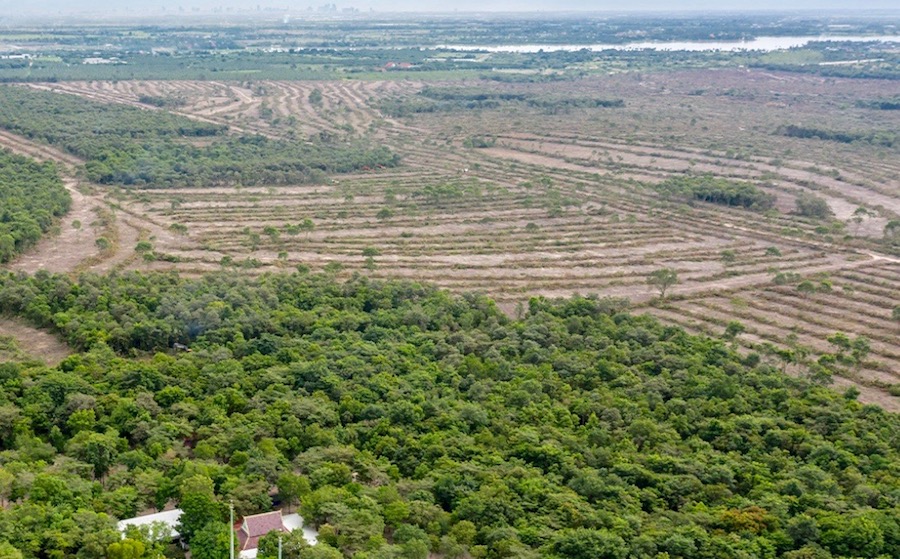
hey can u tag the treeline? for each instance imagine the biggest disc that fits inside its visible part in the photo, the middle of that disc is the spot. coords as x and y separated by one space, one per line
162 101
244 160
881 72
725 192
407 421
892 104
136 147
518 77
555 105
32 195
474 95
878 138
433 99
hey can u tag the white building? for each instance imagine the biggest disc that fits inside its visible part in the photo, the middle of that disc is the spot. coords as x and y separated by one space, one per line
168 519
251 528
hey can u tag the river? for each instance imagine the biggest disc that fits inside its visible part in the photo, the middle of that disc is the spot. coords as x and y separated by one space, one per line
764 44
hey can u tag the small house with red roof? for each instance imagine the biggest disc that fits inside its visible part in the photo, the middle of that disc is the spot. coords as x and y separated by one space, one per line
258 525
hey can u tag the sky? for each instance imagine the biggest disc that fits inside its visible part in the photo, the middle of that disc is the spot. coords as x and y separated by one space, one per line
11 8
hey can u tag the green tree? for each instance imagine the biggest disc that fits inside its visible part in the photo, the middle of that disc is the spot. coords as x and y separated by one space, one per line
125 549
95 533
809 205
81 420
307 226
806 287
212 540
198 505
662 279
583 543
892 232
357 529
464 532
293 546
860 349
97 449
396 512
859 536
859 215
728 256
251 497
291 487
733 330
7 479
7 551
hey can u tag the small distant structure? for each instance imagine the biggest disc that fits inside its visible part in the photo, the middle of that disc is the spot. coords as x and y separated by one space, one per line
397 66
98 60
258 525
181 347
167 518
251 529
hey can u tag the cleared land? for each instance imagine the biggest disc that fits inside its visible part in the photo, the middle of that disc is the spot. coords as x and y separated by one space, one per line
19 341
559 200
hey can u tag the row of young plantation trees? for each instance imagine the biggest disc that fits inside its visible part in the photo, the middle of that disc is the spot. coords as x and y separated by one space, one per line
405 422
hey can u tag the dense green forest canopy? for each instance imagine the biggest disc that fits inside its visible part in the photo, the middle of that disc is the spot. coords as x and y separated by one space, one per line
404 419
31 196
141 147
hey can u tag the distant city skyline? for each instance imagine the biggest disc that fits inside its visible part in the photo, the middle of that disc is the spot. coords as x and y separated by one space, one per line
13 8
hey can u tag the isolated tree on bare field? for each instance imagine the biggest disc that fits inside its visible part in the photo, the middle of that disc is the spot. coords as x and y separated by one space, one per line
734 329
728 257
859 216
809 205
307 226
806 287
662 279
892 232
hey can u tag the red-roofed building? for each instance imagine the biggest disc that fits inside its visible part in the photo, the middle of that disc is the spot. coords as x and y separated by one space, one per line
258 525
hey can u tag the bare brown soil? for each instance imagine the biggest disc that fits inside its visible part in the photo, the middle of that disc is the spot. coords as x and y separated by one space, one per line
35 343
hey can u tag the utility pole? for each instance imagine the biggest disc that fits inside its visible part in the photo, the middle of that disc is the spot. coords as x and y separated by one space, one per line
231 530
279 546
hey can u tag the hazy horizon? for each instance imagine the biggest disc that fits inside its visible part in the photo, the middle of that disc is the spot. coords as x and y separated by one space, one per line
14 8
